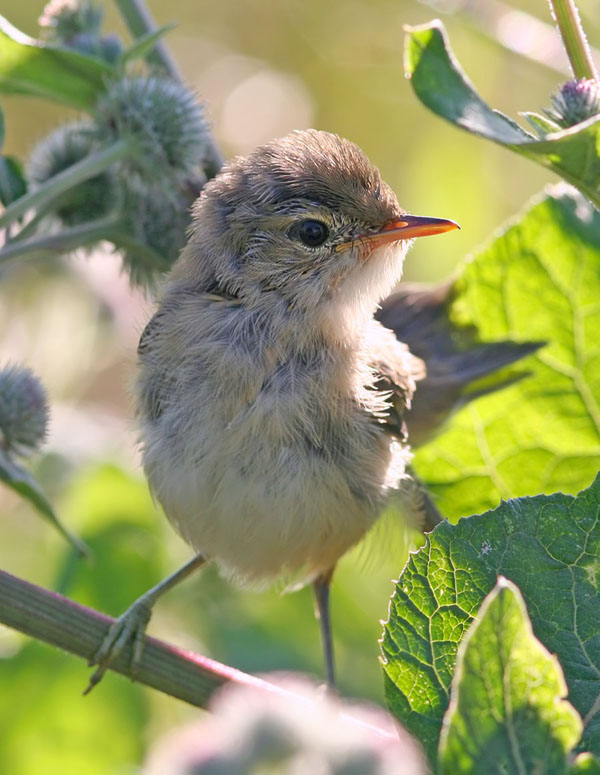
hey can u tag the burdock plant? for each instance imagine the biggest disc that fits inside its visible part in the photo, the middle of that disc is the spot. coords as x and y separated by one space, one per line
127 176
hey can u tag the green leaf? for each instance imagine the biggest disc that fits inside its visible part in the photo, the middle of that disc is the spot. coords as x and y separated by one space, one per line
542 125
440 83
539 280
2 129
549 546
12 179
21 481
507 709
144 44
28 66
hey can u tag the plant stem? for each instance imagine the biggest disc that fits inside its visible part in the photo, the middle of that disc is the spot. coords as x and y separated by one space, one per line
566 16
55 619
64 241
86 168
139 21
31 226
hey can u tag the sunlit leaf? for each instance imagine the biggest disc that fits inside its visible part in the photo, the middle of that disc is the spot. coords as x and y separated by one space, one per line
440 83
549 547
507 709
28 66
538 280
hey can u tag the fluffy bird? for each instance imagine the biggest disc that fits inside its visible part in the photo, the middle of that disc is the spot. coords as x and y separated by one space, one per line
271 402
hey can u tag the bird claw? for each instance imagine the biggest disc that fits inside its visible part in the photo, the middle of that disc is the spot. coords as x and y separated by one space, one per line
129 627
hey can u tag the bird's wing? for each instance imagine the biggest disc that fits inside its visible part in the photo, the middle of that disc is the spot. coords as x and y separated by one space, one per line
397 371
455 362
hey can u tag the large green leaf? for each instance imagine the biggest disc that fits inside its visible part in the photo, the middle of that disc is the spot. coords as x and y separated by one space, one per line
507 710
549 546
538 280
28 66
440 83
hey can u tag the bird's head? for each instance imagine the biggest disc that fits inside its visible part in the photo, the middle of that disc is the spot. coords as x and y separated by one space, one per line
305 220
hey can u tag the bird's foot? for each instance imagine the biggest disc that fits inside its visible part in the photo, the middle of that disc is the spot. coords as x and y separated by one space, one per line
129 627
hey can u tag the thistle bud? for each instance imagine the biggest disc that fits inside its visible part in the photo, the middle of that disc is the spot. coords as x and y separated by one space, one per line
575 102
61 149
23 411
164 120
111 47
76 24
155 219
62 20
253 731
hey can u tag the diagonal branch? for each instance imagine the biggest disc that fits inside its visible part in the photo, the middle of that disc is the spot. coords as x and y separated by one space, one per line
55 619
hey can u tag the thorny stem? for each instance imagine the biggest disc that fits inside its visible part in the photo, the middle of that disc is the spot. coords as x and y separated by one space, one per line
77 173
566 16
62 242
32 225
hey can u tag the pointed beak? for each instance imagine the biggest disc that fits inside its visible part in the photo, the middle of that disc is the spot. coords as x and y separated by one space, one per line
408 227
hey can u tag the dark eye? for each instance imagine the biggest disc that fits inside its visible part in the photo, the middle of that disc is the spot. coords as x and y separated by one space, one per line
313 233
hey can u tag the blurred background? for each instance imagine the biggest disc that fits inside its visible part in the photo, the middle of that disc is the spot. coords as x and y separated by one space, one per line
263 69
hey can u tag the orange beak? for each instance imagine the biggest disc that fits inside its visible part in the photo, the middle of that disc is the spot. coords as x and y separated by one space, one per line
408 227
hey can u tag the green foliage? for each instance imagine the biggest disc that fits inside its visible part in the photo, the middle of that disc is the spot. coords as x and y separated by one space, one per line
507 712
539 279
30 67
13 475
549 547
144 45
130 174
12 178
440 83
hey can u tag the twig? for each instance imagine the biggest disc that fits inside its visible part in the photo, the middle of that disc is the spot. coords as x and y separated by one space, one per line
55 619
62 242
567 19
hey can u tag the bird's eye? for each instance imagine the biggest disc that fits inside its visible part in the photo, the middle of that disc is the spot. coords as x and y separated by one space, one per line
313 233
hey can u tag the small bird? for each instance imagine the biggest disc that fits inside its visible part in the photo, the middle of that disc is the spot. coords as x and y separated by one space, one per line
271 403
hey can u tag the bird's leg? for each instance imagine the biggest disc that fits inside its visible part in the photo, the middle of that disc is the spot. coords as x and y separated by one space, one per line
321 587
132 624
